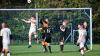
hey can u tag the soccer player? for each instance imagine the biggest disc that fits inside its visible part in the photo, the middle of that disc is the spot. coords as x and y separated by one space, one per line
32 29
46 35
5 33
63 30
81 38
87 37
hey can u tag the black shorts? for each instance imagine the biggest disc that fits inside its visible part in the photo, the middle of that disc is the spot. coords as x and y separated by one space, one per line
43 35
48 38
62 35
0 43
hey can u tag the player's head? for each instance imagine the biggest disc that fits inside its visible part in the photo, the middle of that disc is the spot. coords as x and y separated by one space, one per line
85 24
80 26
65 22
33 17
46 19
4 25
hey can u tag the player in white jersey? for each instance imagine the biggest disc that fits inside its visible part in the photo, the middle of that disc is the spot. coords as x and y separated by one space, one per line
32 29
5 33
81 38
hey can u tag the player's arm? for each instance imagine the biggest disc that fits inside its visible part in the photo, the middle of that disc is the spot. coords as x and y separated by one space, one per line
26 21
39 28
61 28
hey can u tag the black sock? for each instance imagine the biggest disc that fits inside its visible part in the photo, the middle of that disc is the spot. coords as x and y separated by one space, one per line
49 49
61 48
45 48
86 47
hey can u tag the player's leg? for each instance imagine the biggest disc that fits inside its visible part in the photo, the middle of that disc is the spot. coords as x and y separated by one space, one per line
7 49
82 48
36 36
48 40
8 52
61 46
3 49
2 52
61 43
30 39
44 44
49 47
85 45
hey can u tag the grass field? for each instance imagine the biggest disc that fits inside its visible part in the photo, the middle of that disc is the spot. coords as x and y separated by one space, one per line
36 50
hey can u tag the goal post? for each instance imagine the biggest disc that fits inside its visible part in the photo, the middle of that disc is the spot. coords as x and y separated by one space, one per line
56 16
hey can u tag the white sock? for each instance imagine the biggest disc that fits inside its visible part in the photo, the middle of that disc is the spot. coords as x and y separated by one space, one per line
35 36
2 54
29 42
8 54
82 52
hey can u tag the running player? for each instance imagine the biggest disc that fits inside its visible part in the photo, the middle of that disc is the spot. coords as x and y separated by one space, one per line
81 38
63 30
46 35
5 33
32 29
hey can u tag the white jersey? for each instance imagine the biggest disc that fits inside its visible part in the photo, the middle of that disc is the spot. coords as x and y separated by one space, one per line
5 33
33 23
32 26
82 35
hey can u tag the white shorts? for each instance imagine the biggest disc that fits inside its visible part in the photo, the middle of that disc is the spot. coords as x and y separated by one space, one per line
81 44
32 30
5 45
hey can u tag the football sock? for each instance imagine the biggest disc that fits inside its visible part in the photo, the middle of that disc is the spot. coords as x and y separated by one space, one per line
61 48
45 48
29 42
2 54
49 49
8 53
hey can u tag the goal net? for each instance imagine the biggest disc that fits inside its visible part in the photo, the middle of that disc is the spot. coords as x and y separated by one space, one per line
55 15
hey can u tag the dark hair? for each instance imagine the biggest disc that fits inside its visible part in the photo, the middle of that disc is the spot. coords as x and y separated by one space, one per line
81 24
33 16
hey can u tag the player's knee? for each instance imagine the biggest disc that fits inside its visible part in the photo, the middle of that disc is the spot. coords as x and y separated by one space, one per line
3 51
61 43
49 44
34 33
8 52
35 36
30 34
82 48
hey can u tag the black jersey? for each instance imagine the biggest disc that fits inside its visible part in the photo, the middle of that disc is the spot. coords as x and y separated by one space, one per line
62 33
46 35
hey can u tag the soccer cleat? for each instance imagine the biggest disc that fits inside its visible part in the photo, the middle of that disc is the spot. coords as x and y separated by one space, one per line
29 46
82 55
87 51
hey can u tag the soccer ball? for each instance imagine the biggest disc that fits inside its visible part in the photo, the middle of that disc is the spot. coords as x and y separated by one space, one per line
29 1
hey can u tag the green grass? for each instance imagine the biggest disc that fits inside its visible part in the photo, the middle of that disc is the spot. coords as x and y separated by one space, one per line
36 50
